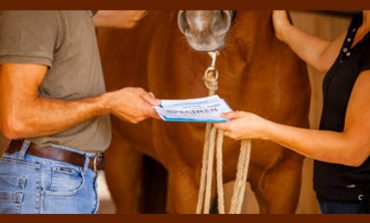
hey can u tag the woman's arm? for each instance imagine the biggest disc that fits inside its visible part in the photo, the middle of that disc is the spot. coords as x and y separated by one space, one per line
123 19
350 147
315 51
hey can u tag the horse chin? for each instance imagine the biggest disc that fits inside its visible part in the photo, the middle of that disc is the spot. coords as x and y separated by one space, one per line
205 49
213 46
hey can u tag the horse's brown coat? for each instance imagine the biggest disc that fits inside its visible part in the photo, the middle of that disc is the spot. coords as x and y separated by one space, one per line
257 74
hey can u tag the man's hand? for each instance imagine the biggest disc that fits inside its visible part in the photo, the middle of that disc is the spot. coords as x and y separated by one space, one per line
132 104
123 19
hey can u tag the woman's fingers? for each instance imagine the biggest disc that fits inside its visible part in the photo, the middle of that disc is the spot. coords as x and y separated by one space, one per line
231 115
227 126
231 134
227 133
280 16
223 126
280 21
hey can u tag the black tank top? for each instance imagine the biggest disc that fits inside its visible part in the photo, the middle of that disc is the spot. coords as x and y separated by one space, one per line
333 181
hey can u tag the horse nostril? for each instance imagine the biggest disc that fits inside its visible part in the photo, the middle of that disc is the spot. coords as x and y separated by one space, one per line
182 21
222 22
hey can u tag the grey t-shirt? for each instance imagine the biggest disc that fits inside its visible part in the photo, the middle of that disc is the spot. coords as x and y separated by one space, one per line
65 41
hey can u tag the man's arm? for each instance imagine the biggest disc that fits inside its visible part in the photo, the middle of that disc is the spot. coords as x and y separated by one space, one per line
123 19
23 113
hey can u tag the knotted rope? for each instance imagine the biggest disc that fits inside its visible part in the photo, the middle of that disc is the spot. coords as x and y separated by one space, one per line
210 142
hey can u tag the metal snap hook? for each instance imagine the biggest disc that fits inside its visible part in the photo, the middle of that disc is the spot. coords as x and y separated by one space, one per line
211 74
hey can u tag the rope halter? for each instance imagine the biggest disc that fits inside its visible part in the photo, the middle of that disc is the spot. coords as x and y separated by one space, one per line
210 142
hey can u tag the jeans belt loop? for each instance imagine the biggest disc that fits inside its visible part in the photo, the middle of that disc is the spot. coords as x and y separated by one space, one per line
86 164
24 149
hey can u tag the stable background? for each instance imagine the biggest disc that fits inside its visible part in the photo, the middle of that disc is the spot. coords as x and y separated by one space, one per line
328 25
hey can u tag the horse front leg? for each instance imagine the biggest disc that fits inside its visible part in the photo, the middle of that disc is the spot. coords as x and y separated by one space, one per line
182 190
277 189
123 174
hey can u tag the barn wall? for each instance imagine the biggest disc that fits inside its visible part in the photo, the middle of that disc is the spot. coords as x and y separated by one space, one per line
328 27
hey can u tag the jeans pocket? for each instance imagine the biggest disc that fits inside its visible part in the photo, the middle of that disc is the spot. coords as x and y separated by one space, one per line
96 196
11 194
13 183
65 181
10 202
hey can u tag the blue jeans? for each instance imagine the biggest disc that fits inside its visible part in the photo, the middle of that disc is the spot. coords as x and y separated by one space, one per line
335 207
33 185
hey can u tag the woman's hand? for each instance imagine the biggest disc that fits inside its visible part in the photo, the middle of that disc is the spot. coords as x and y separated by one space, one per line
281 23
244 125
121 19
315 51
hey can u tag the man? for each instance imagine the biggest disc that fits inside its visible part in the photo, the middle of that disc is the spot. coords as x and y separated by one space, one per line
54 108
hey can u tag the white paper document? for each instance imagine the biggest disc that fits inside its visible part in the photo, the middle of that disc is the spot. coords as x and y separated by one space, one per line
208 109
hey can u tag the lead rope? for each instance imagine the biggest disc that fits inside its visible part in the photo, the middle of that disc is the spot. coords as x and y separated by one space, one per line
210 142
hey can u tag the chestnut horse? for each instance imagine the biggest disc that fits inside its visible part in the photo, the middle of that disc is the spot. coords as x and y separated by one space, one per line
258 73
